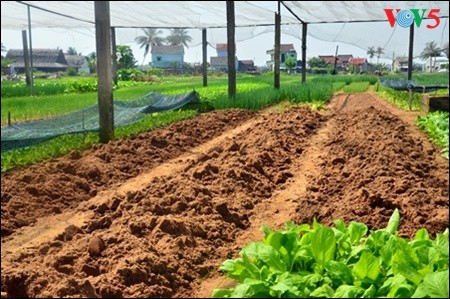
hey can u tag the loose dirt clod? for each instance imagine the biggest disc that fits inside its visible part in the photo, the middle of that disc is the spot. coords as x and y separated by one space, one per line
96 246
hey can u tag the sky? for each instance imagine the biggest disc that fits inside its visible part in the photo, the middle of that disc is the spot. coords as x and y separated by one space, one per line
248 46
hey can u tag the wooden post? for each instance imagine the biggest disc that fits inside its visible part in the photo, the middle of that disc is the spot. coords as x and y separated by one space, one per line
26 58
231 47
104 70
9 118
114 55
31 53
276 73
335 61
410 62
410 51
205 58
304 31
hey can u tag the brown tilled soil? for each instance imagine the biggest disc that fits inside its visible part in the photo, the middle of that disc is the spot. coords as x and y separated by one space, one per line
155 215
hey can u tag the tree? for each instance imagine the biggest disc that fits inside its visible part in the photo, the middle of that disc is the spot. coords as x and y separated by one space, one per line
72 51
379 52
371 52
444 50
125 57
290 63
5 61
151 38
431 50
315 62
380 68
92 62
178 37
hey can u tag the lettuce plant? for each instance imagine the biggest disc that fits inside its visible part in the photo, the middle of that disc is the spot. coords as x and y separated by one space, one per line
343 261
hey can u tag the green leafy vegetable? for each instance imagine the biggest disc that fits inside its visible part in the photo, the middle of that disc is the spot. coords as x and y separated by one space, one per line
316 261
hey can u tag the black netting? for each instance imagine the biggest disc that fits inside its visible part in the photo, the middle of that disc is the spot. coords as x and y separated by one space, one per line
410 85
87 120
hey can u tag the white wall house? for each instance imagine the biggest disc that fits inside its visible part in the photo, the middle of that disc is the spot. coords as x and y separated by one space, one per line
436 66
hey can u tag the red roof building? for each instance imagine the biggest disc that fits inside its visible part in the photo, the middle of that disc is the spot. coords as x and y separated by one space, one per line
358 65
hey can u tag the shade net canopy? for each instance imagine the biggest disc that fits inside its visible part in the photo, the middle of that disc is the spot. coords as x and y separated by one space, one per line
357 11
363 24
135 14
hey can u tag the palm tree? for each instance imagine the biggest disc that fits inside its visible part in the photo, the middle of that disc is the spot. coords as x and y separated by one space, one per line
431 50
379 52
445 50
151 38
178 37
371 52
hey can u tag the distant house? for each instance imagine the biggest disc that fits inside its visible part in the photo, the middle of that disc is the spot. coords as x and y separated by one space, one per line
286 50
344 60
329 59
79 62
437 64
44 60
341 63
360 65
246 66
400 64
222 50
167 56
299 66
220 62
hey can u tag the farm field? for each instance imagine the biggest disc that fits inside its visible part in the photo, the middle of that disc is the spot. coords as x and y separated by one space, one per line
154 215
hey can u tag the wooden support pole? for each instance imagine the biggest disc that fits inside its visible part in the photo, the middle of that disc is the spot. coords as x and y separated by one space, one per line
277 60
114 56
104 71
205 58
304 31
410 62
411 51
231 47
26 58
31 52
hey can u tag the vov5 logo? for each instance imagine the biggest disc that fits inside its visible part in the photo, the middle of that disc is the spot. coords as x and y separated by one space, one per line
405 17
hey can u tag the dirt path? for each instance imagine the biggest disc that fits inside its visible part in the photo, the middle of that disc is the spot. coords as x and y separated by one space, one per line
155 215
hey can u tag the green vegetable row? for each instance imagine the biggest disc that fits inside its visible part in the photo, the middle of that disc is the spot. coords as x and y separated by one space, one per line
316 261
435 124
